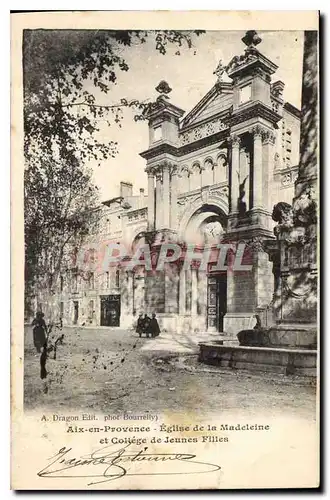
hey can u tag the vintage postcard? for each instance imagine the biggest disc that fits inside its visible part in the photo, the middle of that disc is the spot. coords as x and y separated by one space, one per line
165 250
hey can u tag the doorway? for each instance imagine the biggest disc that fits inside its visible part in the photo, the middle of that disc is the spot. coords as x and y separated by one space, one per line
75 312
110 310
216 301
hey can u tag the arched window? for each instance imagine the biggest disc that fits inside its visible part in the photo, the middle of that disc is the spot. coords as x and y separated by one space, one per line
183 179
195 177
207 174
220 171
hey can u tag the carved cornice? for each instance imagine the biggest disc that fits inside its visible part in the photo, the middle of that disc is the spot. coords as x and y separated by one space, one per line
202 130
254 110
175 151
160 149
201 143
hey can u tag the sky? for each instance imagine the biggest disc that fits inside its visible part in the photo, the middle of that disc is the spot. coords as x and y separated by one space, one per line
190 77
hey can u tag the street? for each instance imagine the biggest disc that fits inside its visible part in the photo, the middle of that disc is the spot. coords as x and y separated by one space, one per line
113 370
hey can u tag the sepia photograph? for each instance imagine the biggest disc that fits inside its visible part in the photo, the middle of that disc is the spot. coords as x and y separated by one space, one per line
170 252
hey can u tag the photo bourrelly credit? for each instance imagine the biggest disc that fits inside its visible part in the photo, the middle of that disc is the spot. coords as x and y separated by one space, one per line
165 250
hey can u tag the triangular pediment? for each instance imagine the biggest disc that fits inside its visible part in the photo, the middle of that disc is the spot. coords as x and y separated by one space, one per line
217 100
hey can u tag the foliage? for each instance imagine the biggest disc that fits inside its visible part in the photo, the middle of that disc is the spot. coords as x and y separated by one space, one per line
64 73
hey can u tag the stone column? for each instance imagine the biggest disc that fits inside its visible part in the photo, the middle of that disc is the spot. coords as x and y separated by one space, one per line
194 291
235 142
257 167
129 292
202 292
182 292
151 200
159 207
174 197
166 195
267 168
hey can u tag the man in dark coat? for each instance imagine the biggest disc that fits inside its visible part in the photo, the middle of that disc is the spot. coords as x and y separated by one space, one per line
140 325
39 331
154 329
146 323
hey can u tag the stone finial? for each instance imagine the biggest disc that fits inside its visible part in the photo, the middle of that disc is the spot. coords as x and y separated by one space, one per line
251 39
163 88
219 71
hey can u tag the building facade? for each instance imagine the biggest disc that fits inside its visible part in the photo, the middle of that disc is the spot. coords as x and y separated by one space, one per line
214 176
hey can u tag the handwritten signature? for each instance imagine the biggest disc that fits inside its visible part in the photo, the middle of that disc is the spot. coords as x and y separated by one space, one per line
107 464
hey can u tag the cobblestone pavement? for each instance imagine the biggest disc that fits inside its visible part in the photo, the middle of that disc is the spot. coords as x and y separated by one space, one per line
113 370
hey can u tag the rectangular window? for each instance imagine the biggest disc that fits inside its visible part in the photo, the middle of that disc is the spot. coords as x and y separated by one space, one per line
107 280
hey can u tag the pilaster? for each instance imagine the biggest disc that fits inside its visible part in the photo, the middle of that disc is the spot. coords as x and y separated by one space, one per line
257 167
159 209
234 188
151 199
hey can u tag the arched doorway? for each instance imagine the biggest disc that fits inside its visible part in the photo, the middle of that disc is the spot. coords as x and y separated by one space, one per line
203 293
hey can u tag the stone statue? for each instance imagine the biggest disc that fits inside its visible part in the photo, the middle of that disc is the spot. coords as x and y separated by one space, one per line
283 215
212 231
219 71
241 198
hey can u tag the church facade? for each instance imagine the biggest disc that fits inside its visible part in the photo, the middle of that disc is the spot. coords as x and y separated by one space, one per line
214 176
